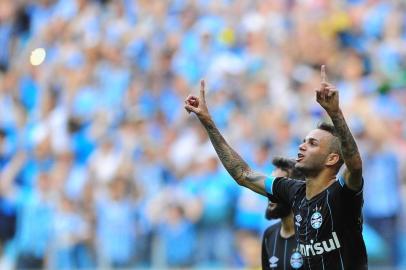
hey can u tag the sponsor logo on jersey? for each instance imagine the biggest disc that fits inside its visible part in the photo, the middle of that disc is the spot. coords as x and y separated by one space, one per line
319 248
298 219
316 220
273 261
296 260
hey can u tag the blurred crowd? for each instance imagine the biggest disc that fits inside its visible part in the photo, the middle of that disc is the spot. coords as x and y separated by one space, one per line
101 166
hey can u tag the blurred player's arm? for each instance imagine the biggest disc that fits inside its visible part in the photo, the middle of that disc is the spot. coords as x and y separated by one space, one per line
327 97
233 163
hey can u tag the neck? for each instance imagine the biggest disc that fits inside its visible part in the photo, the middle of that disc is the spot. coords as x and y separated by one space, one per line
287 227
317 184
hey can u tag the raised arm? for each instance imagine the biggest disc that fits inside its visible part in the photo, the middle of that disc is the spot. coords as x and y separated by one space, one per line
233 163
327 97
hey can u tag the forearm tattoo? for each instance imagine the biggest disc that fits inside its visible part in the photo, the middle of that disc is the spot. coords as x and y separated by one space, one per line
233 163
349 147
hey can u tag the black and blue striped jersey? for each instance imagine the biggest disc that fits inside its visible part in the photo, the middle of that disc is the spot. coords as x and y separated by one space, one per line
328 227
280 253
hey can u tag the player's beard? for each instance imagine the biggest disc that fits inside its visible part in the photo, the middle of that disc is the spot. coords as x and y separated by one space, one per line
311 167
278 211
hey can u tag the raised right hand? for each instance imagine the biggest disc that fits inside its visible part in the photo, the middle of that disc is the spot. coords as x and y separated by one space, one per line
198 105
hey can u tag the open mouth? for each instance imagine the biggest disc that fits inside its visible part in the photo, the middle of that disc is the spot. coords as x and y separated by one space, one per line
299 157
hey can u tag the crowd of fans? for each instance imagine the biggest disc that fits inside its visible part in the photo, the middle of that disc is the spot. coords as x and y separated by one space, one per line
102 167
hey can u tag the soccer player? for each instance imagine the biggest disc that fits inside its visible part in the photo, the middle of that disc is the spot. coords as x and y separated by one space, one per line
327 210
279 247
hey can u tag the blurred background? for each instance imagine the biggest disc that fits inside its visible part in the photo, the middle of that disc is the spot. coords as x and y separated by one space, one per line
100 165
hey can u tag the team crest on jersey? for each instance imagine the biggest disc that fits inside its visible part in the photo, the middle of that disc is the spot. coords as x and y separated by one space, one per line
273 261
296 260
316 220
298 219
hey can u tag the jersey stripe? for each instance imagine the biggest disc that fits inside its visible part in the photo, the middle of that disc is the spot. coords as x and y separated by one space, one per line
321 255
274 244
332 227
284 255
322 261
307 225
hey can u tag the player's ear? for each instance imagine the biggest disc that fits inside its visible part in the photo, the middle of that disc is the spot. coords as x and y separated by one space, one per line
332 159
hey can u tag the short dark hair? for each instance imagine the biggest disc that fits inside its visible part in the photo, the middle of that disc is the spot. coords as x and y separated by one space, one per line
288 165
335 145
328 127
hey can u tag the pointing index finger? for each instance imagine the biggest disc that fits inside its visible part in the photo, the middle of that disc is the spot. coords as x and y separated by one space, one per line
323 74
202 89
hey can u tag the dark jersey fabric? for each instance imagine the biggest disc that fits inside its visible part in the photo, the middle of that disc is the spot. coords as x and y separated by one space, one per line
279 253
328 227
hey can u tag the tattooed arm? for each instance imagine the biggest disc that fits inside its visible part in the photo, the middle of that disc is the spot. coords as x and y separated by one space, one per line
349 150
233 163
327 97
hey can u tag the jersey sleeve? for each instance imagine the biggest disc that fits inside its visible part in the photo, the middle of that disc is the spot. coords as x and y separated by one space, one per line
282 189
347 192
353 202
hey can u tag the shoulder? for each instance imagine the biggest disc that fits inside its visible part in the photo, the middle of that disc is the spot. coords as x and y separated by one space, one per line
340 187
272 229
292 184
283 189
289 182
298 183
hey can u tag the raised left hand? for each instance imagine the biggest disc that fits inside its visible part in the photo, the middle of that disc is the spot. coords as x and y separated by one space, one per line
327 95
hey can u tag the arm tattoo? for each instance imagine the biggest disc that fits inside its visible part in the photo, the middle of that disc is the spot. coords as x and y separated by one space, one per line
349 147
234 164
